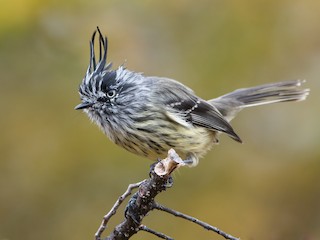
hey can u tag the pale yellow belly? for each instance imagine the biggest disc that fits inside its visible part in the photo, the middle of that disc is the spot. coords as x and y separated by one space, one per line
185 141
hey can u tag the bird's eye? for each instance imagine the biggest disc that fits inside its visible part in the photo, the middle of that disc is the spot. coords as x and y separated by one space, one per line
111 93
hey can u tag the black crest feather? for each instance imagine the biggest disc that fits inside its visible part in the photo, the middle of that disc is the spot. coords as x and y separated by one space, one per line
94 65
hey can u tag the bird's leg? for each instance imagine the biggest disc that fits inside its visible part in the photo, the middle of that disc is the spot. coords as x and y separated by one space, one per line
192 160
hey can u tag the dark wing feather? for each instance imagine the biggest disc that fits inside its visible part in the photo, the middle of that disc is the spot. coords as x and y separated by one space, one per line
207 116
201 113
185 107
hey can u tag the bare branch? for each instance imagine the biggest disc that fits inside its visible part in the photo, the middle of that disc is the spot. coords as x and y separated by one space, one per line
194 220
158 234
142 202
113 210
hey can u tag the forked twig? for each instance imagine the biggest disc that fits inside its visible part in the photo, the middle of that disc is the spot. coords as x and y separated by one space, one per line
142 202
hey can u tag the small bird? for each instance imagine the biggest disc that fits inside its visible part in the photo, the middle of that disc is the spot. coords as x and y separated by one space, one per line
150 115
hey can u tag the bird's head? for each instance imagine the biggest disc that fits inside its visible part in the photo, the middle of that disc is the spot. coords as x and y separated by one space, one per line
99 87
104 90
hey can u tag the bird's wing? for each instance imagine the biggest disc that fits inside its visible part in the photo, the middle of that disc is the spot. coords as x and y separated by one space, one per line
200 113
185 108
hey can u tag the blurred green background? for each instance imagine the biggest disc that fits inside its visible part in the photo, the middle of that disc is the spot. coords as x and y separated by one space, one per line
59 174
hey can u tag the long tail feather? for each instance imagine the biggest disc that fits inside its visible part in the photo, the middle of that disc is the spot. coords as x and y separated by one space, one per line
230 104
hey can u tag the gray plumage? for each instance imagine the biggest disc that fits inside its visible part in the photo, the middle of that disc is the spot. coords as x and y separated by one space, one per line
150 115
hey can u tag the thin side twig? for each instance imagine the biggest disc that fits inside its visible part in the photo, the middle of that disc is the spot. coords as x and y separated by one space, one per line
113 210
194 220
158 234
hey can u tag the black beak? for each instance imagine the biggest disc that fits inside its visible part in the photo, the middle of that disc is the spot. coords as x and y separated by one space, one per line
83 105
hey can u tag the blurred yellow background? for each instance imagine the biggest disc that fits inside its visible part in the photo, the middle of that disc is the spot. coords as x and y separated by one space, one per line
59 174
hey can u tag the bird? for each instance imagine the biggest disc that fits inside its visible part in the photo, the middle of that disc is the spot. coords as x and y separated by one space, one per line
148 115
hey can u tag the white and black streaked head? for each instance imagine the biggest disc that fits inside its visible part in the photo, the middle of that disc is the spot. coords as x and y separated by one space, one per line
103 90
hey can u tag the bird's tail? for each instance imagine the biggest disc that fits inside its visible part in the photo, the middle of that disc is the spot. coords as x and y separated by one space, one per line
230 104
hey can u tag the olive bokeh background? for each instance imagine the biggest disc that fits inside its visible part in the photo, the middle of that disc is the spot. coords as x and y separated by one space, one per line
59 174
